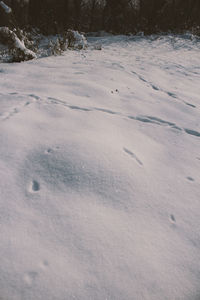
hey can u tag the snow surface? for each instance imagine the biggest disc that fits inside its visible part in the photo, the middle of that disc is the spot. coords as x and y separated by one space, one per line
100 172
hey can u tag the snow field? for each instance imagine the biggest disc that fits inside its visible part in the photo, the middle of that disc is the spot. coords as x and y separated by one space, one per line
99 168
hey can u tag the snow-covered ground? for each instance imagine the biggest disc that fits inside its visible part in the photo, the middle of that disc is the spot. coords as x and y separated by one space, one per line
100 173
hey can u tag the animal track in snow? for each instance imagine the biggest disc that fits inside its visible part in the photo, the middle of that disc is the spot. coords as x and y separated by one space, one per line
63 103
172 219
34 96
84 109
56 101
142 118
10 114
190 178
43 265
158 121
108 111
35 186
155 120
79 73
78 108
154 87
7 115
189 104
49 151
133 156
141 78
192 132
171 95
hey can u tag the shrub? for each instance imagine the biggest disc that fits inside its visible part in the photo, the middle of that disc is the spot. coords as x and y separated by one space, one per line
16 46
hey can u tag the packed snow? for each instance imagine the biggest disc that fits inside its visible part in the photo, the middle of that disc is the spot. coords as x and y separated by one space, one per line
100 172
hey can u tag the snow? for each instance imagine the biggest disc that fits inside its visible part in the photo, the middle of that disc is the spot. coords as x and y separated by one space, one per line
20 45
100 172
5 7
77 40
16 43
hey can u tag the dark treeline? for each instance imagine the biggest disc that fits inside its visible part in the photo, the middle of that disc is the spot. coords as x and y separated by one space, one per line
117 16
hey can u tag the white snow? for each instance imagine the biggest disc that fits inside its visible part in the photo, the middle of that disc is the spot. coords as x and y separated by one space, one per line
17 43
5 7
100 172
78 40
20 45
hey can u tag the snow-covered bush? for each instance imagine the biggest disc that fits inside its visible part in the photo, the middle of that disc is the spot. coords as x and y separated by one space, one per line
75 40
57 44
16 47
196 30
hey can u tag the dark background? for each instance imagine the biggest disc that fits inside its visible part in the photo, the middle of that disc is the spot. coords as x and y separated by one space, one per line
116 16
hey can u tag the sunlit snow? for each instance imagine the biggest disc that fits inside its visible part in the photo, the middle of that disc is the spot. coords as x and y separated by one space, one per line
100 172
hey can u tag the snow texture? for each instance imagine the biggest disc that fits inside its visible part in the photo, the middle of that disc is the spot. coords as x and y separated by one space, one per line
100 172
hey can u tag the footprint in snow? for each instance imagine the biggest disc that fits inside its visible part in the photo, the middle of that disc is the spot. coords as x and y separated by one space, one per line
49 151
44 264
190 178
192 132
130 153
35 186
108 111
34 96
171 94
172 219
189 104
74 107
154 87
155 120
